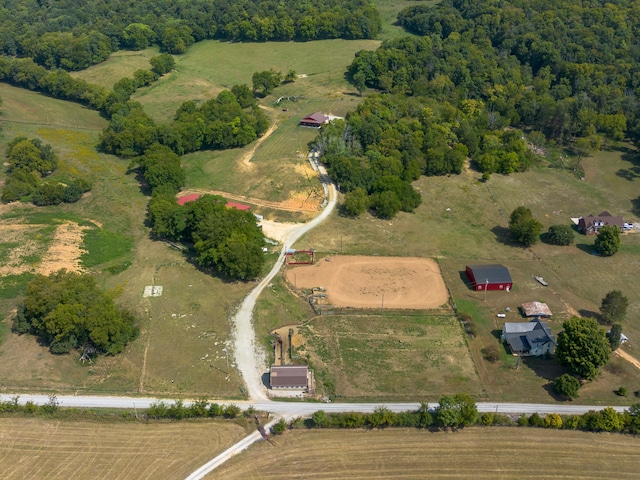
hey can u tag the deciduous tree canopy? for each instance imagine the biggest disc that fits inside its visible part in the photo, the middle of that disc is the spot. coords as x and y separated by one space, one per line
608 241
523 227
67 311
614 307
583 347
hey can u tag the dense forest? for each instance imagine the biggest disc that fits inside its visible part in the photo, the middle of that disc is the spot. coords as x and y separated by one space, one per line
74 34
567 69
491 80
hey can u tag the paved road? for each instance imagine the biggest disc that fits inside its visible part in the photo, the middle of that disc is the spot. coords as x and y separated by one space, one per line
249 357
303 408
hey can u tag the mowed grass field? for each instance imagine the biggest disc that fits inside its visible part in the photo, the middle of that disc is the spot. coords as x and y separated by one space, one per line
37 448
390 357
479 453
463 220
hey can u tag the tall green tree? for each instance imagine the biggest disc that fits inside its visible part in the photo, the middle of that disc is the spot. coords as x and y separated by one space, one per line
264 82
614 307
455 411
567 386
523 227
583 347
614 336
608 241
560 235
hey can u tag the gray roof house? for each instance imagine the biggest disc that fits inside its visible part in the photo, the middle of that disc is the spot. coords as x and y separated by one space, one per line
532 338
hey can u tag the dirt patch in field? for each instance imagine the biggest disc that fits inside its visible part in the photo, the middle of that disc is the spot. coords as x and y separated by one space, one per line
370 282
19 241
65 250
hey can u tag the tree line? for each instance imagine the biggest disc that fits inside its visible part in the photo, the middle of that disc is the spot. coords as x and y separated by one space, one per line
74 34
466 414
233 119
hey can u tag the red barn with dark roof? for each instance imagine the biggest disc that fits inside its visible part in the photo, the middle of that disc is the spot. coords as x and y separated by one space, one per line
491 277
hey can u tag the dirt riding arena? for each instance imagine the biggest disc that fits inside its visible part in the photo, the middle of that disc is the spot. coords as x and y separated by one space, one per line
367 282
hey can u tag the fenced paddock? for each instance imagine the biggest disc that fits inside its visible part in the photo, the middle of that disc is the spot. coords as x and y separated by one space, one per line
374 282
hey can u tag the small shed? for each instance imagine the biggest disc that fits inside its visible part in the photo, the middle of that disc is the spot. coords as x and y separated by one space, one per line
536 309
489 277
315 120
292 377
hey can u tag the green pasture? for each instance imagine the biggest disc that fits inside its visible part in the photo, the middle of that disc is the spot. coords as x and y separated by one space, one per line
211 66
183 331
119 65
389 357
389 10
22 111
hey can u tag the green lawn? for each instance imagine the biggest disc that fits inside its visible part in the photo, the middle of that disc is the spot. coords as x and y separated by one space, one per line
390 357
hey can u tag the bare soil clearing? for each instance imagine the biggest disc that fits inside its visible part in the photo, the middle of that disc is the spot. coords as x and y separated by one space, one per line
371 282
479 453
295 204
65 250
35 448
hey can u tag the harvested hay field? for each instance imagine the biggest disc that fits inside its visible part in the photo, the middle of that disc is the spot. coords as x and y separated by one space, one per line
36 448
479 453
372 282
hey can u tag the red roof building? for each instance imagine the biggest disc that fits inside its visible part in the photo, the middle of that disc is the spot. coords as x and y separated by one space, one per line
238 206
315 120
188 198
489 277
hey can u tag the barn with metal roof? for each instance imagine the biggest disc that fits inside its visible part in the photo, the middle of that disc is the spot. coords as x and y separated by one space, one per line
489 277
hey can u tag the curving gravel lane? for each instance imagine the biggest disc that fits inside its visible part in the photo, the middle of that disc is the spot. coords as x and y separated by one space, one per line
250 358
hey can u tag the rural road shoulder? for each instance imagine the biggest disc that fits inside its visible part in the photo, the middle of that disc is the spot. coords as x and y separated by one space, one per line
301 408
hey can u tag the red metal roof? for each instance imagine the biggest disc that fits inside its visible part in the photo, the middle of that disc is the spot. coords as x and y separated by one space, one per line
238 206
188 198
315 118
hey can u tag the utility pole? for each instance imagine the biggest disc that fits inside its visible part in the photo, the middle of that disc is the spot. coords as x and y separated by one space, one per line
486 285
383 301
